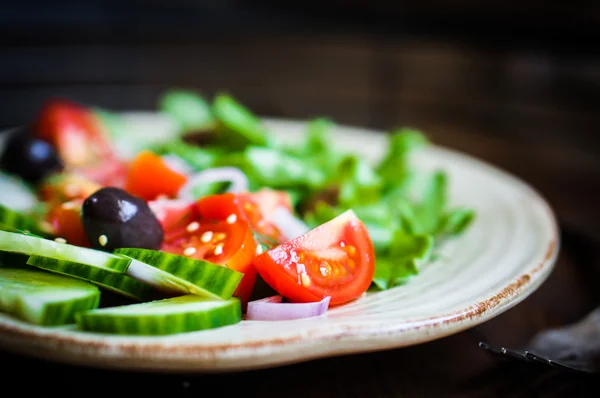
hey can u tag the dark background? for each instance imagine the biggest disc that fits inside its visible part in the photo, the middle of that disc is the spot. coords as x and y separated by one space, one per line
516 83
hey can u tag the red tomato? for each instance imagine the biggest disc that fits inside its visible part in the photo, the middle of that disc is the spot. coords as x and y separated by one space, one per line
149 177
78 136
209 236
255 207
335 259
65 220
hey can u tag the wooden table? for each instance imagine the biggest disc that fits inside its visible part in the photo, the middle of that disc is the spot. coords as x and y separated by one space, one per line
530 111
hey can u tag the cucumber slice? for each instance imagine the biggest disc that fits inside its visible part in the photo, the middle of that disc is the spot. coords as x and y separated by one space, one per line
114 281
170 272
180 314
32 245
44 298
20 221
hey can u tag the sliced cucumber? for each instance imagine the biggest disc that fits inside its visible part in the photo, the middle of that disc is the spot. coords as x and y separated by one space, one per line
180 314
171 272
44 298
20 221
32 245
114 281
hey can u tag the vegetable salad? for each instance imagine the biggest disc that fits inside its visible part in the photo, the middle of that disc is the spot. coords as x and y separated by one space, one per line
206 204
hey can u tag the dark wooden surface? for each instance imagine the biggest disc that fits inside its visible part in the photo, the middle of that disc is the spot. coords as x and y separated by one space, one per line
527 102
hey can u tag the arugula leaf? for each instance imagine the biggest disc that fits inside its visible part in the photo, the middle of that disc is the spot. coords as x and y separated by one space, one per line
358 182
394 167
276 169
188 108
199 158
238 126
406 255
430 211
456 221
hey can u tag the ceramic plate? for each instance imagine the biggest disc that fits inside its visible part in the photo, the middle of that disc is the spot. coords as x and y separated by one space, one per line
506 254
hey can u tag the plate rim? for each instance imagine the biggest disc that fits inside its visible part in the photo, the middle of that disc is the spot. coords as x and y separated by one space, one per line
80 349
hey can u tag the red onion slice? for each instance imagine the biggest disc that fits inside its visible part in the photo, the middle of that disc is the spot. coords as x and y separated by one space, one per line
288 224
237 178
272 309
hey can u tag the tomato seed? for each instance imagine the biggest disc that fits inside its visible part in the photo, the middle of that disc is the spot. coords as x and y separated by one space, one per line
60 240
305 280
351 250
219 249
189 251
325 268
69 205
231 219
103 240
193 226
206 237
219 236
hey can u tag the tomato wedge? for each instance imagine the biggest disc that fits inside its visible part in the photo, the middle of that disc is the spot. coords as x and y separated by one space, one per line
211 235
255 207
335 259
149 177
80 139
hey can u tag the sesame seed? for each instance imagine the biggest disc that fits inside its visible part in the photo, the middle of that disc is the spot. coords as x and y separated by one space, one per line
193 226
189 251
207 236
60 240
231 219
103 240
219 249
69 205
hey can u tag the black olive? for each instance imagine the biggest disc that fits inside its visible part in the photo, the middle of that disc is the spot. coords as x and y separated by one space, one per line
113 218
29 157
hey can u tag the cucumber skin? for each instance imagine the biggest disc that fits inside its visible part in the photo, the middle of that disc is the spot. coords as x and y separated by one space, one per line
116 282
17 220
164 324
55 315
216 280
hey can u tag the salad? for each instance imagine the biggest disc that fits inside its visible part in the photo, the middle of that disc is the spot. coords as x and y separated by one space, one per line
204 218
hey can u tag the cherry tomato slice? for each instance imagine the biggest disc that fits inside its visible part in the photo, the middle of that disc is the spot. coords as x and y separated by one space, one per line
255 207
80 139
335 259
211 236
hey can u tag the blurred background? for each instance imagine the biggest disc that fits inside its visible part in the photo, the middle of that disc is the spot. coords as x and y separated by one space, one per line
516 83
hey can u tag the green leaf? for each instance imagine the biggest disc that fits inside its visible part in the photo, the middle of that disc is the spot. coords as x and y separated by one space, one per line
188 108
240 127
430 211
457 220
394 166
317 136
404 259
358 182
276 169
197 157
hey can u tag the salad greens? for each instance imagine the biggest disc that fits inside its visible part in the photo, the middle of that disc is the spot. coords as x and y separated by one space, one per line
405 226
